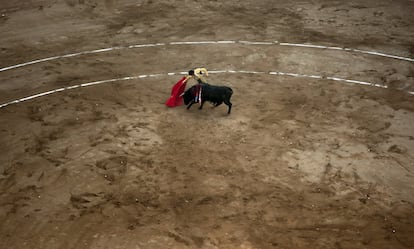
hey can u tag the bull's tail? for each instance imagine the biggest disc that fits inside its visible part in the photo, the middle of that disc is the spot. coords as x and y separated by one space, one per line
227 100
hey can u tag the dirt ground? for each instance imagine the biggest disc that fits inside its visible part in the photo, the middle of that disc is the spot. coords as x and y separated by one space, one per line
299 163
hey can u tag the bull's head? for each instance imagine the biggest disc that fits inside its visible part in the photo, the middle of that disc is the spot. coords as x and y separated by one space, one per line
188 95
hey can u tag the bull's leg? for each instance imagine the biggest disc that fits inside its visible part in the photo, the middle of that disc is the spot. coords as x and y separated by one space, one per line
191 103
202 103
229 104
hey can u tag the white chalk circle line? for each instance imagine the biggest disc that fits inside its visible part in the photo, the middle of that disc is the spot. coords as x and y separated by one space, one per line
183 73
206 43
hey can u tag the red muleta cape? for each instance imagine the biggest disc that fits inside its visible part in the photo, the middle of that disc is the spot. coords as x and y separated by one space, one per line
176 99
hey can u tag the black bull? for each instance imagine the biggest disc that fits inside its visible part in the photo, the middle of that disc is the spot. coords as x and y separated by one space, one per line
211 93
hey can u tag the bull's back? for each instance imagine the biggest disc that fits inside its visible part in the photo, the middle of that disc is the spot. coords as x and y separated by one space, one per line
217 90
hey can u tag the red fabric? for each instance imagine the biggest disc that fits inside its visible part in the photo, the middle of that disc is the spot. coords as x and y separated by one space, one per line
176 99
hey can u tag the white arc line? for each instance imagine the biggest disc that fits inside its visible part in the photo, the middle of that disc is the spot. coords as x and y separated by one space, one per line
257 43
181 73
347 49
207 43
81 53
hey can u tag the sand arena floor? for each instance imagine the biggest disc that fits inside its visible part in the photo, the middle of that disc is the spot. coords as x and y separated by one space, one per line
317 153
